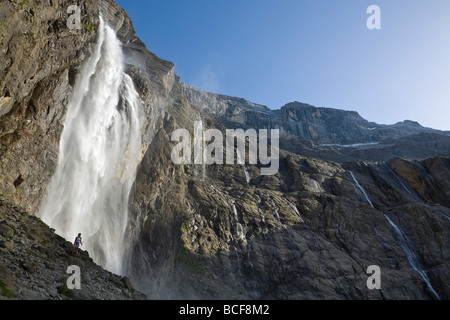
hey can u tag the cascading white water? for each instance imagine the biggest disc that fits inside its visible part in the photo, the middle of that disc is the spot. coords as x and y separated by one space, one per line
410 255
100 148
241 159
293 209
402 241
361 189
238 225
246 175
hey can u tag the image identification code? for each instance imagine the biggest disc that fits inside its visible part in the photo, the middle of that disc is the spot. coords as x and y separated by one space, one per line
237 309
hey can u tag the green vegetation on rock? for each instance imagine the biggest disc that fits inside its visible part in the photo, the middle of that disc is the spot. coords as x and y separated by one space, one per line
6 292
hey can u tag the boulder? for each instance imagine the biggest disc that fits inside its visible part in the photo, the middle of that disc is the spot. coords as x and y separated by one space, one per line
78 295
6 231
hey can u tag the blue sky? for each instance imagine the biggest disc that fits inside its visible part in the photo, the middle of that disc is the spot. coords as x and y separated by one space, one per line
315 51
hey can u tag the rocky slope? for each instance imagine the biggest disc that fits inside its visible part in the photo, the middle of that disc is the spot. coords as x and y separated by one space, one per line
219 231
34 262
41 59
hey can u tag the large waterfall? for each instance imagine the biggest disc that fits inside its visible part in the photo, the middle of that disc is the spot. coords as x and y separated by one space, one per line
99 152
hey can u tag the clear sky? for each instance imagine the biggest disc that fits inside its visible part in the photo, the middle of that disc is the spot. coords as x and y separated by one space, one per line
315 51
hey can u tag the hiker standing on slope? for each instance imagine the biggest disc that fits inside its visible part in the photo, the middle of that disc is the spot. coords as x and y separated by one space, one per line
77 244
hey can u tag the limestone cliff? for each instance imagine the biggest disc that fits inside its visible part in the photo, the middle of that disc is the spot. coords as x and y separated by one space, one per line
225 231
40 58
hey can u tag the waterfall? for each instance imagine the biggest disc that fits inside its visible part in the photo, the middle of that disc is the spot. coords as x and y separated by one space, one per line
408 191
361 189
246 174
293 209
238 225
410 255
100 149
444 215
399 180
403 241
241 159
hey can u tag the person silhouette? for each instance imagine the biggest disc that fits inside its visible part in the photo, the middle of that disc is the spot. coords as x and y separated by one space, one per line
77 244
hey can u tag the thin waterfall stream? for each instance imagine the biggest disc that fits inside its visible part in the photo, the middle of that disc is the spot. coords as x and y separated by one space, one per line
402 240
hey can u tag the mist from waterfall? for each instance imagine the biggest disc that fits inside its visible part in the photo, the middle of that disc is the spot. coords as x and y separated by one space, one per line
100 149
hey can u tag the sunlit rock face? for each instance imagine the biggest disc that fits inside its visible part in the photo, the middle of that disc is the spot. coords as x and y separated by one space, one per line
220 231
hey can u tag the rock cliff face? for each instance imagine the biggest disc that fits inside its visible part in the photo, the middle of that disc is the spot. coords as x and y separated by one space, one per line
306 233
326 133
40 60
345 186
